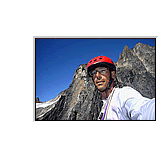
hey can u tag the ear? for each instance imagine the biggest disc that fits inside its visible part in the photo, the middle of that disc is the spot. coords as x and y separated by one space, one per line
113 74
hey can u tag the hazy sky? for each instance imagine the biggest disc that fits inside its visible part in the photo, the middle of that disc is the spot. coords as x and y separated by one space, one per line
57 59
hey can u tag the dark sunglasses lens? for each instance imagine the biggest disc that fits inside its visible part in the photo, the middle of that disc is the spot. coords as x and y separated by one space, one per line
101 71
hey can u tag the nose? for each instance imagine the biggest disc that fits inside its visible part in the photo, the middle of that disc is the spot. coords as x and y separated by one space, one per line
98 75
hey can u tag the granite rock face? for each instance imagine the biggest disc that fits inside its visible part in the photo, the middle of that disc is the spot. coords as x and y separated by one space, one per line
82 101
136 68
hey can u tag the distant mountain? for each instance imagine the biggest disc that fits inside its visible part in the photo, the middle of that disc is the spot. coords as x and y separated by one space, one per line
82 101
136 68
37 100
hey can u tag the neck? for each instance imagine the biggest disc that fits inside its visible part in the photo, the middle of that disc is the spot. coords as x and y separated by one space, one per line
105 94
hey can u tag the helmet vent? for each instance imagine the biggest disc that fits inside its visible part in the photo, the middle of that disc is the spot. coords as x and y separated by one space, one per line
95 60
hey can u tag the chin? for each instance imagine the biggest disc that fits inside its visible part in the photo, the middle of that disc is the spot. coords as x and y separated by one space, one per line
101 89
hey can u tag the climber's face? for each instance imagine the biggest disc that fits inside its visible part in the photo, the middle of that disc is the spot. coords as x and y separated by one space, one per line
101 77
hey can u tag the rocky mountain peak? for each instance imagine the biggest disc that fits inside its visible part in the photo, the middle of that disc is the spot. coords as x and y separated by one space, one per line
136 68
126 49
81 71
37 100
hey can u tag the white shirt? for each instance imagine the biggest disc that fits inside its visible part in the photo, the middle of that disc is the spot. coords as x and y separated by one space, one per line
128 104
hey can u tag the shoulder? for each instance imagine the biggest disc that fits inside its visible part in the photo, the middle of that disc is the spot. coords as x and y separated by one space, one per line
127 92
126 89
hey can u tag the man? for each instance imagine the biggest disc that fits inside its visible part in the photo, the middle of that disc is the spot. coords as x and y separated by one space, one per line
118 103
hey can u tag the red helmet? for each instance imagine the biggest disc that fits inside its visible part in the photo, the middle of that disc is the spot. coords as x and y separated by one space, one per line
100 61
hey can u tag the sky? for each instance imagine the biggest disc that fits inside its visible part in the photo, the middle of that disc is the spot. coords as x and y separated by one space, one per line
57 59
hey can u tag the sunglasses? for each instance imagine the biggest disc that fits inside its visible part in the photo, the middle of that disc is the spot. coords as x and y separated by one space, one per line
100 70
